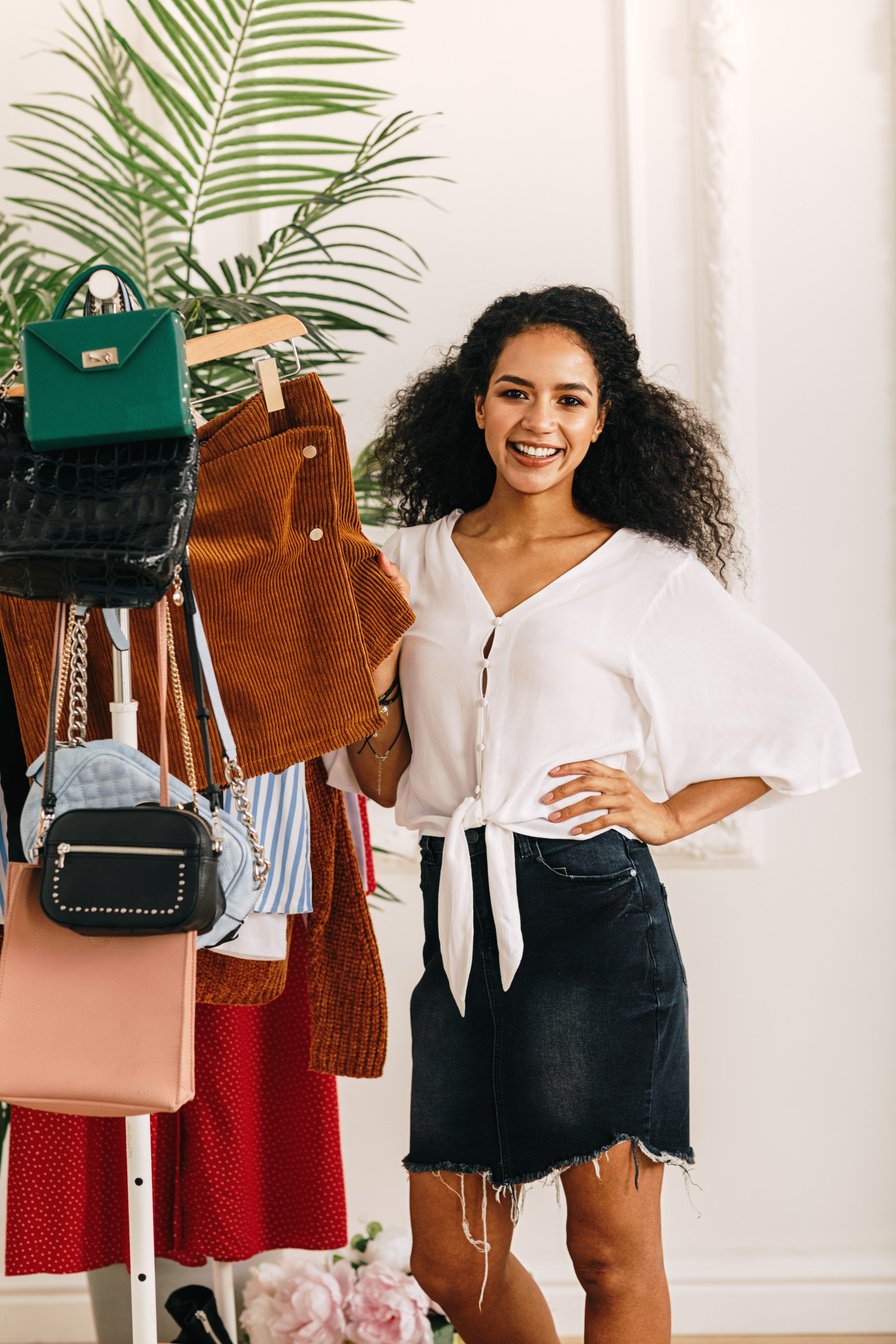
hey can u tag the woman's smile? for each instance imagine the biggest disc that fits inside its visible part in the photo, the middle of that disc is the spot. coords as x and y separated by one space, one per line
534 454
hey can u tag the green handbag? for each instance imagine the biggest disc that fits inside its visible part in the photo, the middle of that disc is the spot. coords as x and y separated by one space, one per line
116 377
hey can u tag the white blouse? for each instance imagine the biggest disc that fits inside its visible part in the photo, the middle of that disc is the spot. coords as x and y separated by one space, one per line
638 634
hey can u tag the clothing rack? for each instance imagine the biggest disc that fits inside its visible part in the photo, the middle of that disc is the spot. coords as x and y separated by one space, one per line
235 340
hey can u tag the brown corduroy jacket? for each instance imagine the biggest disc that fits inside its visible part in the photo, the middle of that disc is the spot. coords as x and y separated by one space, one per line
297 611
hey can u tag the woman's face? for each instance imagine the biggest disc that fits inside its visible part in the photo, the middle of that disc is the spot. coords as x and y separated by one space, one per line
540 413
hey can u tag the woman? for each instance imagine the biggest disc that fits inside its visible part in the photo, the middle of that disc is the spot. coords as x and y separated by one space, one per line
566 521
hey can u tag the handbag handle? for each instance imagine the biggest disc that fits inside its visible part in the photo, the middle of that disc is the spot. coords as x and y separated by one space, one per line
48 797
73 286
201 663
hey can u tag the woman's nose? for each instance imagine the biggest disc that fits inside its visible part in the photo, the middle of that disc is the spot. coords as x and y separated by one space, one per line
538 417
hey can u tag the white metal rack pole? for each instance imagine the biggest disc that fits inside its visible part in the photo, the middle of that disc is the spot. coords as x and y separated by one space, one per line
225 1295
141 1234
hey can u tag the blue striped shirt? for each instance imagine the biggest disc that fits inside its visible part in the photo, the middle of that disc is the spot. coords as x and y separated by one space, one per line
279 805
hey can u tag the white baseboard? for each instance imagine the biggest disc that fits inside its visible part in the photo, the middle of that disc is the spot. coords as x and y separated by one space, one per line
733 1293
45 1309
724 1294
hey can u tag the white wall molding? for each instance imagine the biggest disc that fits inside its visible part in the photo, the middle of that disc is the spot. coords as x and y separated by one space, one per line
631 104
716 131
718 134
42 1307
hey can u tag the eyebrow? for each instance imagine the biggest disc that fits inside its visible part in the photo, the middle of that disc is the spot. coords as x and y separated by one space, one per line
561 387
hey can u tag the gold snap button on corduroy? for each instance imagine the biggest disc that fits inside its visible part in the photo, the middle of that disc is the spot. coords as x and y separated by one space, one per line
316 533
310 451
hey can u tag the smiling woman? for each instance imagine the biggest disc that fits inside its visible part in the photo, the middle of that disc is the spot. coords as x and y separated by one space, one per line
567 521
661 467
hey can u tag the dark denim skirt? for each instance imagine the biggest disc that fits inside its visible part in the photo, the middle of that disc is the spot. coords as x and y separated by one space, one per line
587 1047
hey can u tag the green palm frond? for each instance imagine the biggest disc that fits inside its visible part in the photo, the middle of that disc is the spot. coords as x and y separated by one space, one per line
30 282
227 113
375 509
199 112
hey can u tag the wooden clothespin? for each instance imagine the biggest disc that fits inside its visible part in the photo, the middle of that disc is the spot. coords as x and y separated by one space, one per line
268 376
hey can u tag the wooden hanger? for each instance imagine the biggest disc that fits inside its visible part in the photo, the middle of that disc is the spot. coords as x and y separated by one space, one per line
229 341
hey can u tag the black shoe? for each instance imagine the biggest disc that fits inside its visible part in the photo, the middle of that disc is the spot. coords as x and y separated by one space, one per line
196 1313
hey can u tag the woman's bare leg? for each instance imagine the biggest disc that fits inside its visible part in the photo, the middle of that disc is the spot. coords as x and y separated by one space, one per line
614 1237
451 1271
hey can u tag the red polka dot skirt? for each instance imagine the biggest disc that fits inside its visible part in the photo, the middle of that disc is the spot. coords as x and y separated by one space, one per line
252 1164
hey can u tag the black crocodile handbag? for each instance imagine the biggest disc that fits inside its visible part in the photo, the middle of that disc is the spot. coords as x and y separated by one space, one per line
102 527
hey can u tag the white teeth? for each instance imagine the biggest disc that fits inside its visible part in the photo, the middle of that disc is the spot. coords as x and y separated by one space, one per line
535 452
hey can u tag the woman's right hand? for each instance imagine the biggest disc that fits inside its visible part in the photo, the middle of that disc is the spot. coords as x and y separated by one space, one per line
395 576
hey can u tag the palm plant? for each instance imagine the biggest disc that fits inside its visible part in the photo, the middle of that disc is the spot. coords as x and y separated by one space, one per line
205 110
201 114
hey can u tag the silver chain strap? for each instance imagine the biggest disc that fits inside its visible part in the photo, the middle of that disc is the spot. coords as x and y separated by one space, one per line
9 377
73 667
237 785
77 686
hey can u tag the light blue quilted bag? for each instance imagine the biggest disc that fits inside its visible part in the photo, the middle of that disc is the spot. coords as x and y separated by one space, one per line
106 773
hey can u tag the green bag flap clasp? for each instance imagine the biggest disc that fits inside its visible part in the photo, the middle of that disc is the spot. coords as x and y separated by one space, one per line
102 342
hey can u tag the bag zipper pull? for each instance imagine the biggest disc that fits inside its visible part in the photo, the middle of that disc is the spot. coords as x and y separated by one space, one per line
61 851
204 1322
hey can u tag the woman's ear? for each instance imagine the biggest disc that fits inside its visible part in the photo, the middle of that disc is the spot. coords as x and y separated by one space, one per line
479 409
598 428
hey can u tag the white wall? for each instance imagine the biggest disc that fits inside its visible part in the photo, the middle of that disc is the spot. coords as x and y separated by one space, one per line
789 960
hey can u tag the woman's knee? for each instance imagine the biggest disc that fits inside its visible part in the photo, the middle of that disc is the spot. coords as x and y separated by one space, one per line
448 1252
451 1279
606 1266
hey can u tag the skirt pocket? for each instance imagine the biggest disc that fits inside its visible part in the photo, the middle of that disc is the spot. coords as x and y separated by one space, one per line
576 861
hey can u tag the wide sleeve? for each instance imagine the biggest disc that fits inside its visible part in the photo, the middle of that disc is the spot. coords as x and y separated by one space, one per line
727 697
338 764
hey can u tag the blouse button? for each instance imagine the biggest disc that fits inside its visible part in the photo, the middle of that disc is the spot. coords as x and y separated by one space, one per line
477 791
483 701
480 746
316 533
499 620
309 451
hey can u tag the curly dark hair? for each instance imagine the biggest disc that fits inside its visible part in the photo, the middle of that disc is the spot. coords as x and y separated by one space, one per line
659 466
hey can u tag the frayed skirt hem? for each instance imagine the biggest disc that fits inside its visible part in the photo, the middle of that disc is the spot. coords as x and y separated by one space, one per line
685 1161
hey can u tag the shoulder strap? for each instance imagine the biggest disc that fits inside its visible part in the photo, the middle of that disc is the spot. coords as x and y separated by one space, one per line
213 792
228 742
48 796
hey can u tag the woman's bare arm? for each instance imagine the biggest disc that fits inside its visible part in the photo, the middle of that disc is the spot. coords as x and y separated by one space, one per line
380 760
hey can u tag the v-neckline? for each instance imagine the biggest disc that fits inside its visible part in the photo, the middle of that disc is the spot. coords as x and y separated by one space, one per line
451 523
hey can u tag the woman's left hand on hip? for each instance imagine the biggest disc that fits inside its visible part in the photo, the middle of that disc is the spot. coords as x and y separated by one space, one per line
614 793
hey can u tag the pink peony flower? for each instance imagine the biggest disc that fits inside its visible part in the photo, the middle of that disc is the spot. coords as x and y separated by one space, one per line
390 1247
264 1280
257 1319
344 1274
388 1307
303 1304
